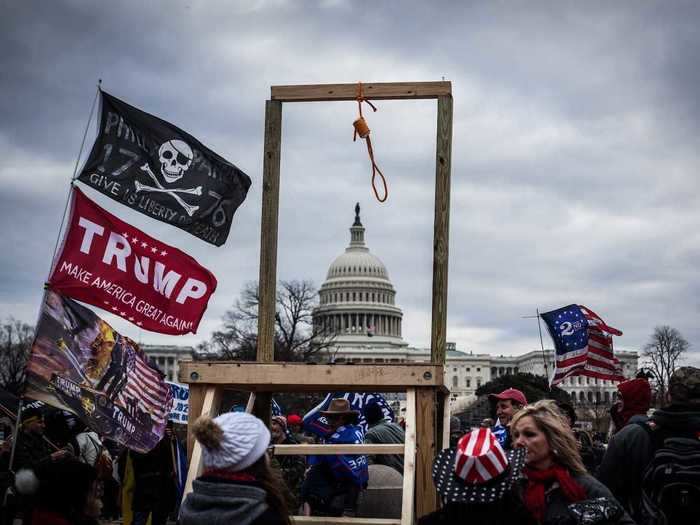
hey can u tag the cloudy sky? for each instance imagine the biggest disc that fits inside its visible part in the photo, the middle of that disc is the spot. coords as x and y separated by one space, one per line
575 148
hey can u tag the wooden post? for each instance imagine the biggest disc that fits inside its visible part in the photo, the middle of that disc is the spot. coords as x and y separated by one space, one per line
438 336
442 420
446 417
210 407
268 247
441 232
195 409
268 238
409 460
426 496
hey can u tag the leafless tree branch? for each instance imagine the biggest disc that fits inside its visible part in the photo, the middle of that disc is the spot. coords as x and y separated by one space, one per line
295 336
16 340
664 349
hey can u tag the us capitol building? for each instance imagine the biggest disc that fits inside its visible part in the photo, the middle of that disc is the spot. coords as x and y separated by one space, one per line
357 305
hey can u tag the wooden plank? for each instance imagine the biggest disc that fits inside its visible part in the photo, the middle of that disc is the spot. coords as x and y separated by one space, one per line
441 230
329 450
268 231
296 377
409 461
196 400
426 495
445 436
371 90
319 520
262 407
251 402
210 407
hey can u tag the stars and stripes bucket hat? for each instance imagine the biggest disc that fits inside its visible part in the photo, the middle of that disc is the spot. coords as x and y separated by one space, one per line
478 470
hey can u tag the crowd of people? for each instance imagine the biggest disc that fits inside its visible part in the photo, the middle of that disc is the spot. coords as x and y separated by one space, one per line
530 465
65 473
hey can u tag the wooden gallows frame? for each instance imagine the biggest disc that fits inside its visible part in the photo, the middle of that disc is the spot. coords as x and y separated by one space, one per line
424 384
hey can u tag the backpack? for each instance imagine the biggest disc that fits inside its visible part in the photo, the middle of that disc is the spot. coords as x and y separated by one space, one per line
671 484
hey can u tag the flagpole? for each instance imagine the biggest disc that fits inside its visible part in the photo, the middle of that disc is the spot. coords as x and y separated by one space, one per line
75 171
14 435
53 256
544 355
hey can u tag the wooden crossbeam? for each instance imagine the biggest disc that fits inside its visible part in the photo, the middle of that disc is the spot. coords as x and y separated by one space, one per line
318 520
296 377
371 90
329 450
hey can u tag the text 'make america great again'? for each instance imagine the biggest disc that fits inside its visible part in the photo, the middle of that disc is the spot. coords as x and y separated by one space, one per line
110 264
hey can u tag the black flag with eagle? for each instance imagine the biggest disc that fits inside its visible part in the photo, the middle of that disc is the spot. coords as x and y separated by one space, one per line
161 171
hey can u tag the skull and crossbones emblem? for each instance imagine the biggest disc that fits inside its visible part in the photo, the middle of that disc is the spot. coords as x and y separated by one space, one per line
175 157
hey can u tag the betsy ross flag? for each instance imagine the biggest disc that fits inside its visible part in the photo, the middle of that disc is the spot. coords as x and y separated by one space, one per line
583 343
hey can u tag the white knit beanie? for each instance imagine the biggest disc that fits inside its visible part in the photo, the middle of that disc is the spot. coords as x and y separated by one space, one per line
232 441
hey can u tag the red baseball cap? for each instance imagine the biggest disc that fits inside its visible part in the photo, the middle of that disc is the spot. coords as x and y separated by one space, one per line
511 393
293 419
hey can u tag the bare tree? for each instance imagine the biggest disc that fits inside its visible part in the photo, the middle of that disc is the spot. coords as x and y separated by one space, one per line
296 339
16 340
663 350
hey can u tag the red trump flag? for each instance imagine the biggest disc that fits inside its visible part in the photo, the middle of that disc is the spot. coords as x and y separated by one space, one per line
109 263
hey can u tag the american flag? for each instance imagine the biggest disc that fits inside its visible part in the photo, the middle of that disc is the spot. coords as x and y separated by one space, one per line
145 387
583 343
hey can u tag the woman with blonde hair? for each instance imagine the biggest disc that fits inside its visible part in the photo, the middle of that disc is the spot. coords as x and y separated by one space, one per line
554 475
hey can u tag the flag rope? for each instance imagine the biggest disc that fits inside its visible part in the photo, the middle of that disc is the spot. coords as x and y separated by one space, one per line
75 171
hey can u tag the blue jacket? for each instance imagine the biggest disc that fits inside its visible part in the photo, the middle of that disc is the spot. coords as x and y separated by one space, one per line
346 467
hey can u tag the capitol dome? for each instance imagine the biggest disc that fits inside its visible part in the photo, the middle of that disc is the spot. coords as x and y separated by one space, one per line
357 300
357 262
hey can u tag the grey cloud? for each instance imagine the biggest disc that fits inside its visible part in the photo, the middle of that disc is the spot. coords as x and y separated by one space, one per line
574 157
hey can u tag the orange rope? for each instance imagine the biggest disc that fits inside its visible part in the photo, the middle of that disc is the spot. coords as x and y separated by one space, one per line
362 130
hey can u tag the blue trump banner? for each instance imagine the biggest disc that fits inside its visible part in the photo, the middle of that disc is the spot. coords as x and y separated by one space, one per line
179 412
317 424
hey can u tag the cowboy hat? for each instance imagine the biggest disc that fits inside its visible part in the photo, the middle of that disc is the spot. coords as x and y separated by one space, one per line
339 407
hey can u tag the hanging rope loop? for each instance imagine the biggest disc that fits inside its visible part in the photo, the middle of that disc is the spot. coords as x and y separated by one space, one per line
362 130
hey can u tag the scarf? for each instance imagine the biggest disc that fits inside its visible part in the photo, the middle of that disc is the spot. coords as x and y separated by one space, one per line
538 479
228 475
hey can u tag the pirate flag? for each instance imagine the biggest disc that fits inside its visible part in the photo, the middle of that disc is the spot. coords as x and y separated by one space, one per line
161 171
